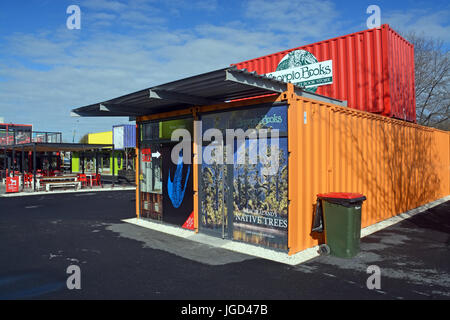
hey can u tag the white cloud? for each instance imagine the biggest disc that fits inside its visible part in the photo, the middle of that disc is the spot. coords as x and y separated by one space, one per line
300 20
46 74
207 5
76 71
137 14
104 5
430 23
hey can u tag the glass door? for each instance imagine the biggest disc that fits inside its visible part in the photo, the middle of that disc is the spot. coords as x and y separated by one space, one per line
150 179
166 184
246 200
215 189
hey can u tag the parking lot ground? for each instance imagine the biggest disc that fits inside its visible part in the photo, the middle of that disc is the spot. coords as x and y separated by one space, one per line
41 236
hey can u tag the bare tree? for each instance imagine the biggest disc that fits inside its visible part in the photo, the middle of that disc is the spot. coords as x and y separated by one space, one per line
84 139
432 78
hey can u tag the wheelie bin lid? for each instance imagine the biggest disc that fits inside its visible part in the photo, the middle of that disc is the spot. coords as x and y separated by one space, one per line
345 197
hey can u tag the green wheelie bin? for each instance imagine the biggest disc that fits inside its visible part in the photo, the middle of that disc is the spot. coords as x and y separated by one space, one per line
342 222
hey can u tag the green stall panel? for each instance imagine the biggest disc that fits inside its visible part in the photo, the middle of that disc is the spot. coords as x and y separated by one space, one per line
119 160
75 163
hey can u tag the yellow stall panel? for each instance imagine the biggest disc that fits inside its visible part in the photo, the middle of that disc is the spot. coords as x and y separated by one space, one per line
100 138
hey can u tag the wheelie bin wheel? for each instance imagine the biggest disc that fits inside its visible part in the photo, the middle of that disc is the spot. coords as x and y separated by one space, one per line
324 250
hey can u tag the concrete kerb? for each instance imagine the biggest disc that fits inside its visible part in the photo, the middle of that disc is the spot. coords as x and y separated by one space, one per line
269 254
235 246
27 194
403 216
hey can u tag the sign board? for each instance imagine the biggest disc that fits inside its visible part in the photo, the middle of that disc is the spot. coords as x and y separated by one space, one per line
12 184
189 224
301 68
146 155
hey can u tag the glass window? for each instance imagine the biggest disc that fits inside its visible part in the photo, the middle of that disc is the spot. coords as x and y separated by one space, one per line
119 160
270 117
162 130
149 131
89 163
105 163
151 179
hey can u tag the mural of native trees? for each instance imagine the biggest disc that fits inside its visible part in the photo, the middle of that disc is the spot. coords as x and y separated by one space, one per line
253 194
254 191
260 205
259 201
214 208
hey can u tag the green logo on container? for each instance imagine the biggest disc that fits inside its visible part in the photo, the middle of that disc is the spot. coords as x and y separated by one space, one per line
304 70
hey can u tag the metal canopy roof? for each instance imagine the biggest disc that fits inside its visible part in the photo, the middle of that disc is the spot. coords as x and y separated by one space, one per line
55 147
214 87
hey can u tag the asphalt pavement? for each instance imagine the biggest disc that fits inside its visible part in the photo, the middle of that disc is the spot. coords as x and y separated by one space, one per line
41 236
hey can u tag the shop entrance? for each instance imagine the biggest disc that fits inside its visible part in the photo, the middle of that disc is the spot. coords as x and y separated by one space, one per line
216 200
178 195
247 199
166 184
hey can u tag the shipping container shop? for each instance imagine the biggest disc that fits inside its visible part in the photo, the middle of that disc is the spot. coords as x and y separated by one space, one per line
244 186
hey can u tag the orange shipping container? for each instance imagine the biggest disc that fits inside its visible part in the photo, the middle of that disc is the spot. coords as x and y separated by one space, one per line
397 165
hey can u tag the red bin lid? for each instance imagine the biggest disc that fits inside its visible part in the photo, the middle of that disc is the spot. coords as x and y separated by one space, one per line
340 195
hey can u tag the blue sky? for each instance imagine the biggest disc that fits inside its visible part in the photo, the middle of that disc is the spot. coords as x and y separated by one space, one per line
127 45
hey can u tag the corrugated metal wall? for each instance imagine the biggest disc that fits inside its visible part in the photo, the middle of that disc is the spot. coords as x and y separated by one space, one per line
373 70
397 165
402 77
128 135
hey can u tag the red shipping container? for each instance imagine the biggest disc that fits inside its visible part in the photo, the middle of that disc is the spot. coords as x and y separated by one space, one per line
373 70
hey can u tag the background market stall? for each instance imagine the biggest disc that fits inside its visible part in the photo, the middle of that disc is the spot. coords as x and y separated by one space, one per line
40 157
123 137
